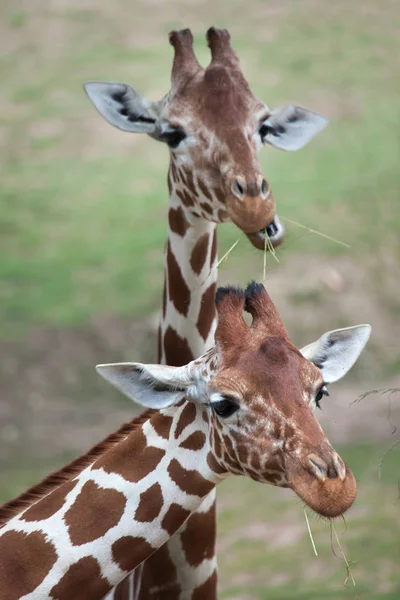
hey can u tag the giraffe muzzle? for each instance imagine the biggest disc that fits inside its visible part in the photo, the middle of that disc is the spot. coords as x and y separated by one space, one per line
273 233
328 487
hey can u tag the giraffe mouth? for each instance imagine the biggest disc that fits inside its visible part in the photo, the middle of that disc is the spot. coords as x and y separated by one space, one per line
274 233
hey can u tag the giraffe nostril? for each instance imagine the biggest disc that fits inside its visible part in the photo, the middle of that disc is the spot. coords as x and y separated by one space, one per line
238 188
264 188
317 466
339 468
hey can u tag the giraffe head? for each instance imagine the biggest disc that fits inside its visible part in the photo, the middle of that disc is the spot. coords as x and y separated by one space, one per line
259 393
214 127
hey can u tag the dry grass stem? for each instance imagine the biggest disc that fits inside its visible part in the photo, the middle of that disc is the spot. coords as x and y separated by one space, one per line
268 245
221 260
310 533
225 256
348 569
324 235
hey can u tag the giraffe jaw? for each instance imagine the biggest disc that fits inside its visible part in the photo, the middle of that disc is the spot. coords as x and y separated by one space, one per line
275 233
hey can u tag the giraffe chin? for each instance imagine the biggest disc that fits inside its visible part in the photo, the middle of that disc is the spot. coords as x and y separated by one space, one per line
329 498
275 232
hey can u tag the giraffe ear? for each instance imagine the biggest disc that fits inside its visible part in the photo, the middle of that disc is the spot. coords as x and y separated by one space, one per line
153 386
123 107
292 127
336 351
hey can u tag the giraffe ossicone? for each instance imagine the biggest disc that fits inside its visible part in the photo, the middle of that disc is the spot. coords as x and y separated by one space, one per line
245 407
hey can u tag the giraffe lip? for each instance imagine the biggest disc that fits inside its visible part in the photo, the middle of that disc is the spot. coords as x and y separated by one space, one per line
274 231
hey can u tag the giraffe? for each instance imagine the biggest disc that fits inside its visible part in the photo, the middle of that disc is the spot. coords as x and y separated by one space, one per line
246 407
214 128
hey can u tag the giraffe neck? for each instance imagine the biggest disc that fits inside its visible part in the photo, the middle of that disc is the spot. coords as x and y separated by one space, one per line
188 318
92 530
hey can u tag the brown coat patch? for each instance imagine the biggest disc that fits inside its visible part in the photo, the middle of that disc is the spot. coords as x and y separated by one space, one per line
214 464
220 195
204 189
186 417
185 198
122 591
174 518
150 504
129 551
190 482
217 444
50 504
199 254
177 351
207 590
177 221
173 171
132 458
169 181
198 539
206 207
207 312
178 290
189 181
214 248
26 559
162 425
159 571
159 344
93 513
83 580
195 441
164 300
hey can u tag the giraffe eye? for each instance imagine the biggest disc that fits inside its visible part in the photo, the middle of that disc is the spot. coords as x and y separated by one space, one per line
225 407
264 131
322 392
173 137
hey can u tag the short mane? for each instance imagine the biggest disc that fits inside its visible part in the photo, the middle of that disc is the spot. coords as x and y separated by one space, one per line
38 491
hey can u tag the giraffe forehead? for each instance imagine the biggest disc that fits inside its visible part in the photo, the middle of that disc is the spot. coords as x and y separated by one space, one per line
273 372
215 97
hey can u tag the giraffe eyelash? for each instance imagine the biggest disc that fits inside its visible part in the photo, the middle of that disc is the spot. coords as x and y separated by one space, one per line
322 392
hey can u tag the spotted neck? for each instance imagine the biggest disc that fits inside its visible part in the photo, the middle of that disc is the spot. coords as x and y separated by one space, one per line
181 568
91 531
188 318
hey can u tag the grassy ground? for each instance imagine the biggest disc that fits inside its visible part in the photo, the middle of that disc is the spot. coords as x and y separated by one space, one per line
82 228
77 197
271 556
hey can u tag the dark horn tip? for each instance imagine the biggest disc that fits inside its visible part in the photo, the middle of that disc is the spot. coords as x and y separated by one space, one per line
229 290
184 34
253 290
219 33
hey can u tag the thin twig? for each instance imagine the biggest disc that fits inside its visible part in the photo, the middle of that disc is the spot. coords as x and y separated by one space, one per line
310 534
381 391
324 235
348 569
384 455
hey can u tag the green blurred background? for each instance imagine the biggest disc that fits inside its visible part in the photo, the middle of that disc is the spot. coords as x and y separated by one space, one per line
82 231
